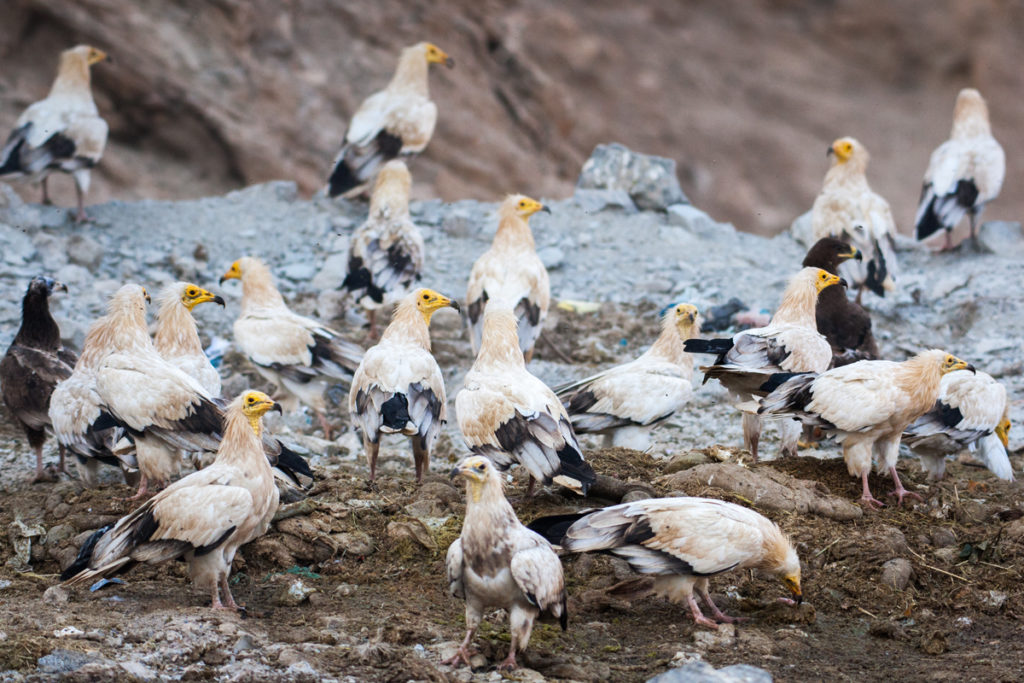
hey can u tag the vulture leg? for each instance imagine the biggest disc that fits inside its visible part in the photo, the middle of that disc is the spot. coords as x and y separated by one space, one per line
46 192
371 448
866 498
972 217
860 293
720 616
421 457
789 431
229 600
143 488
374 332
751 433
899 491
463 654
42 474
323 425
80 217
529 487
948 245
698 616
520 627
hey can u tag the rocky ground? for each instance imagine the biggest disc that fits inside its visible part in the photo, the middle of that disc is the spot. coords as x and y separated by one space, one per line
349 583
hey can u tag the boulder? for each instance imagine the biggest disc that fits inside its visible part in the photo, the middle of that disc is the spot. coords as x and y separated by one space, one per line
650 181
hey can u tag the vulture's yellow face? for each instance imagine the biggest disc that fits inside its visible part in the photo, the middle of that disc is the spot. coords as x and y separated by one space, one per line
146 296
475 469
825 279
951 363
436 55
428 301
792 582
842 149
95 56
193 295
255 405
1003 431
685 316
526 207
233 273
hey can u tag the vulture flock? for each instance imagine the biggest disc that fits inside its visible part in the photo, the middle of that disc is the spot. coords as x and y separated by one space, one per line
148 404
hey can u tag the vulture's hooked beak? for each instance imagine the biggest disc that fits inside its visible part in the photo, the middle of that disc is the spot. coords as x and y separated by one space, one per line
54 286
276 406
843 282
218 299
545 209
829 152
454 473
454 304
449 62
971 368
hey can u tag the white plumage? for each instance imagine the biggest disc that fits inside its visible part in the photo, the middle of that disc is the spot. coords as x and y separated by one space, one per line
177 338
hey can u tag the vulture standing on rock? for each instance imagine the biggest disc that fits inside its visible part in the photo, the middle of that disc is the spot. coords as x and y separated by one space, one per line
682 542
203 518
511 270
397 120
386 253
790 343
866 405
845 324
847 208
510 416
62 132
177 339
33 365
299 355
497 562
624 401
971 412
964 173
398 388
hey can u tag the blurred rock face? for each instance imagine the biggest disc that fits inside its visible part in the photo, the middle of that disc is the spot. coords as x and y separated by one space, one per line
207 97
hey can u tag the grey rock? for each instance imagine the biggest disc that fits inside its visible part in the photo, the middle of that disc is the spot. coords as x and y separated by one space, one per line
943 538
16 246
551 257
800 230
696 221
357 543
301 271
331 273
594 201
295 592
85 251
1000 237
55 595
52 251
62 661
651 181
702 672
74 275
896 573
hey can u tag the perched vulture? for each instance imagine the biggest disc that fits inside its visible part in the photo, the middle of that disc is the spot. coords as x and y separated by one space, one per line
385 255
62 132
398 387
682 542
790 343
964 173
203 518
512 417
511 270
299 355
33 365
397 120
844 323
848 209
624 401
177 338
971 412
498 562
866 405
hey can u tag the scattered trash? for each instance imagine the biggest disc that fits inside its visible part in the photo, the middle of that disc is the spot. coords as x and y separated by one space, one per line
103 583
68 632
718 318
20 536
304 572
575 306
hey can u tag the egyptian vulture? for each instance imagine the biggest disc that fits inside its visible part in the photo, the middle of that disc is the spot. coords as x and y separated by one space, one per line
682 542
34 363
385 255
847 208
398 387
203 518
624 401
512 417
789 343
964 173
177 338
498 562
397 120
300 356
866 405
63 132
971 412
511 270
844 323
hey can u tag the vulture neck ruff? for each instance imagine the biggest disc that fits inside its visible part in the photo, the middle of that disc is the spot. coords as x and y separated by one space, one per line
73 78
176 331
390 200
38 328
513 230
920 378
669 344
241 444
970 117
408 325
499 344
849 173
798 304
123 328
258 290
411 72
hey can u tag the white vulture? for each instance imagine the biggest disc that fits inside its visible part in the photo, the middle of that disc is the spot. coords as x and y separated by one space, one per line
498 562
847 208
398 120
398 388
63 132
204 517
511 270
299 355
177 338
682 542
32 366
385 255
866 405
971 412
964 173
624 401
512 417
790 343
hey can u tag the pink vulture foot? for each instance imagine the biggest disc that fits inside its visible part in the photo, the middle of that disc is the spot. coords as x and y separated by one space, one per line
870 502
509 663
902 493
460 657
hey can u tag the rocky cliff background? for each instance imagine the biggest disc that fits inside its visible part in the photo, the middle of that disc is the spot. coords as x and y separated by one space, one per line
205 97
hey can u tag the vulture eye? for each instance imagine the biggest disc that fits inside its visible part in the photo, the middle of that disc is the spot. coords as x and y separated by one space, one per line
191 292
426 297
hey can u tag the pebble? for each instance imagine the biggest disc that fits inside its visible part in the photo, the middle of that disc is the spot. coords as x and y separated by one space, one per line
294 593
896 573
